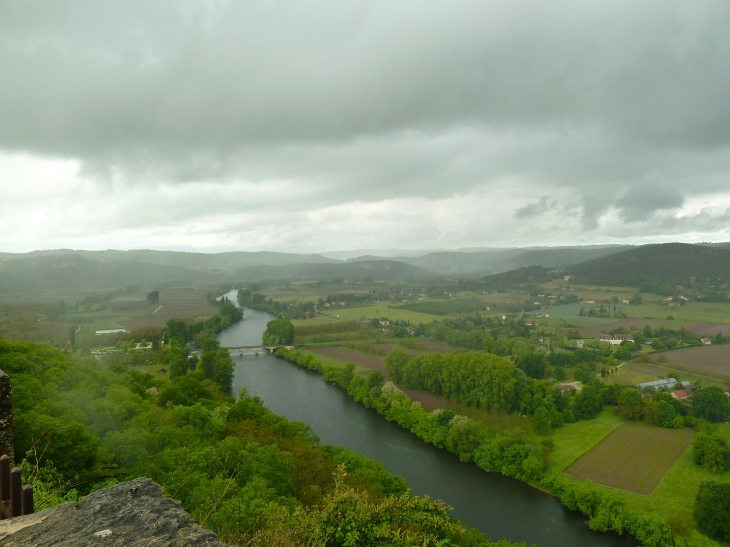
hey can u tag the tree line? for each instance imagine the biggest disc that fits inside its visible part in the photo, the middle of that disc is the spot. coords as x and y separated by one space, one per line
290 310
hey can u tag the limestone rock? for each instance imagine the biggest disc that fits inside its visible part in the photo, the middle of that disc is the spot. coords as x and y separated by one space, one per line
133 514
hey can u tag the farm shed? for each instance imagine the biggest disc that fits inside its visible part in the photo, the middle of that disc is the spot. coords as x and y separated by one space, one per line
682 394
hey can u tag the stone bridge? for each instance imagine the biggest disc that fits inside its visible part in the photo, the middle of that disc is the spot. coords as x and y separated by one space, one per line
256 349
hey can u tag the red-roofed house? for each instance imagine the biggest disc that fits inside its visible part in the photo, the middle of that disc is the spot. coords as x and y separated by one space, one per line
682 394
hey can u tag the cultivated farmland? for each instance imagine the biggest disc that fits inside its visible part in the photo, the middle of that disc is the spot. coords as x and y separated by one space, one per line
709 329
427 400
635 457
711 361
596 330
369 361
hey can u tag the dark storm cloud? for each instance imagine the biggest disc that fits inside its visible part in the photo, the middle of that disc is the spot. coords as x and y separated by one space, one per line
373 100
536 208
144 85
651 194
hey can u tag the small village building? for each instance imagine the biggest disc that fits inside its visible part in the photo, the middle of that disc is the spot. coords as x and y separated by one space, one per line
590 301
706 341
615 339
384 322
679 287
681 394
571 385
529 323
675 304
625 301
579 343
664 383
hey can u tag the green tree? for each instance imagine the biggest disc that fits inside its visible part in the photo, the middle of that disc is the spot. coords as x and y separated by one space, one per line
72 335
217 365
278 331
711 404
153 297
176 328
712 509
711 452
587 404
541 420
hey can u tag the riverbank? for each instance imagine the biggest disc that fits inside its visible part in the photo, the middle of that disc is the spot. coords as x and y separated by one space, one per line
607 510
498 505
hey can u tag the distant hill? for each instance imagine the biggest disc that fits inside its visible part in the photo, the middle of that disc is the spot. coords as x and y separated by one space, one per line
374 270
668 264
74 271
115 269
491 261
559 257
225 261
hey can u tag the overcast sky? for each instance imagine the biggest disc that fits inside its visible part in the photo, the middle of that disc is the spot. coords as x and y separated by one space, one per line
323 125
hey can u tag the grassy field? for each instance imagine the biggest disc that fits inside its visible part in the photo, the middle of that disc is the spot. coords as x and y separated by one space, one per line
594 292
314 321
694 312
635 457
381 309
355 357
574 440
595 330
571 312
675 494
326 360
628 377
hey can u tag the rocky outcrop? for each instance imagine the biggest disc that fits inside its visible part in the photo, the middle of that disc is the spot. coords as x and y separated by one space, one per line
134 514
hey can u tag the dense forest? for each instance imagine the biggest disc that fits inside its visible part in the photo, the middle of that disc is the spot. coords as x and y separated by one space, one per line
251 476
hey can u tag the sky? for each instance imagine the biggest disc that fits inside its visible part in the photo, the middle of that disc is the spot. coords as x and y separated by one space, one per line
320 125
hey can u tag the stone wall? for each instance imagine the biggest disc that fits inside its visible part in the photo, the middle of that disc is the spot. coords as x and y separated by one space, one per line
6 416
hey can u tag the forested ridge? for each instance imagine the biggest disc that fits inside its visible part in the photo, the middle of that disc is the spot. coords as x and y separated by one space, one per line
662 264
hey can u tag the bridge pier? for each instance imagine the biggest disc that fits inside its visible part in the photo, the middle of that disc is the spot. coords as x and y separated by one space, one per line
240 352
256 351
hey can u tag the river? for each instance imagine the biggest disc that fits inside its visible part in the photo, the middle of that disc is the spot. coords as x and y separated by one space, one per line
502 507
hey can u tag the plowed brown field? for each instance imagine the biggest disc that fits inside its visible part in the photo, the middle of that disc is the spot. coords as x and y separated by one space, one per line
634 457
710 329
706 360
